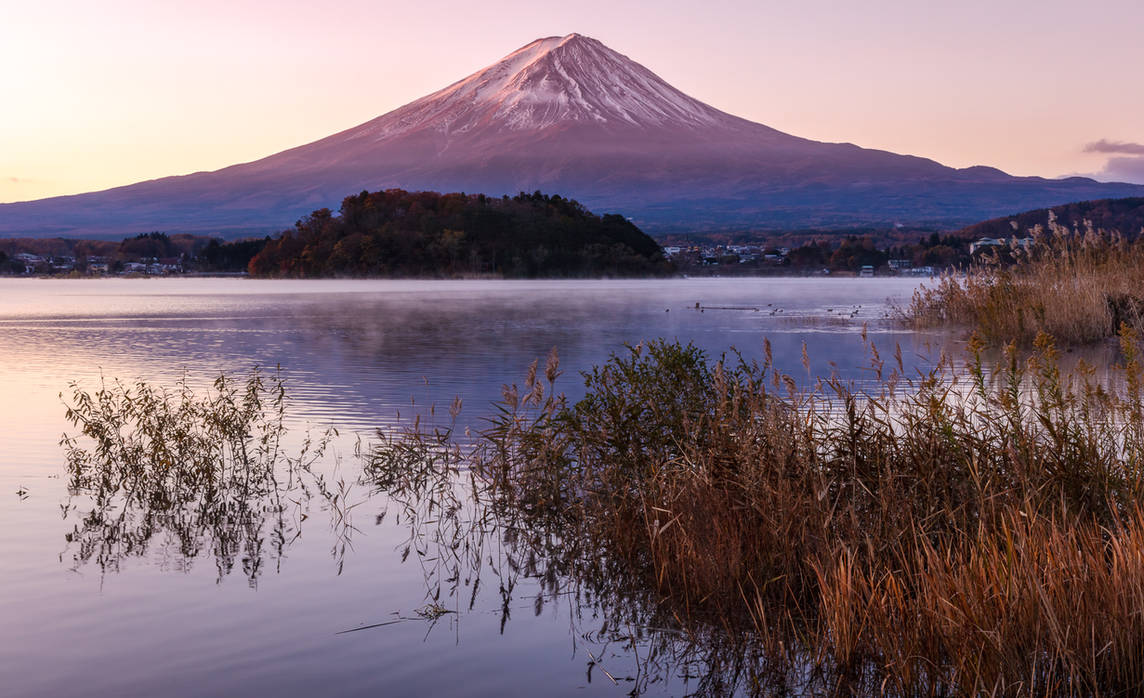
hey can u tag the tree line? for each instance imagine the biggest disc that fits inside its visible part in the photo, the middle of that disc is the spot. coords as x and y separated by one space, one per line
1124 215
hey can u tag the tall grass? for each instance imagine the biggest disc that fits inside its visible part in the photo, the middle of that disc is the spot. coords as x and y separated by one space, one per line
1077 285
975 529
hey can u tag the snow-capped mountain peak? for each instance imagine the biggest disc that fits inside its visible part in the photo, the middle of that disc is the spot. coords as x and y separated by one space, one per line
551 82
567 115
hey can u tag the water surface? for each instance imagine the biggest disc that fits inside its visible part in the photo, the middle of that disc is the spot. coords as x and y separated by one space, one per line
355 355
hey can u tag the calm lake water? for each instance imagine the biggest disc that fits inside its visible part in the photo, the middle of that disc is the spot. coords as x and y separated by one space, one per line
354 355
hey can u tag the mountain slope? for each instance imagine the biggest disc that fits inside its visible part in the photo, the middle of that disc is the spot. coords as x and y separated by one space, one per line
568 115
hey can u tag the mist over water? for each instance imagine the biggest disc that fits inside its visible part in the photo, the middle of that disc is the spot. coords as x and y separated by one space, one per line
353 356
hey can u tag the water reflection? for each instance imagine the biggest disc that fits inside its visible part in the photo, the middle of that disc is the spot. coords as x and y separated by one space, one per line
180 476
467 530
355 352
353 355
577 505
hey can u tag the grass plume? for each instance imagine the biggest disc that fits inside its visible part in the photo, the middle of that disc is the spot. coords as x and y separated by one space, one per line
974 529
1077 285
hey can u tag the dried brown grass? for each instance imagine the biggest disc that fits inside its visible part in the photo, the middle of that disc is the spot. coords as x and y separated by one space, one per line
971 530
1075 285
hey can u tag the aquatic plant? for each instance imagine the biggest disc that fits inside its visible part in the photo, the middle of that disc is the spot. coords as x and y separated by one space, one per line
194 474
971 529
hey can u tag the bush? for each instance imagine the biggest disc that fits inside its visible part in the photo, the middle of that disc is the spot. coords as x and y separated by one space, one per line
971 530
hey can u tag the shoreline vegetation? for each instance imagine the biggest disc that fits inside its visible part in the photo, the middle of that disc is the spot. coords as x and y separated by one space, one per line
977 528
199 471
400 234
974 530
1077 285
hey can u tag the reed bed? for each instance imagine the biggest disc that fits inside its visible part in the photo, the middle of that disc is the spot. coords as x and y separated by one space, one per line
1078 285
972 530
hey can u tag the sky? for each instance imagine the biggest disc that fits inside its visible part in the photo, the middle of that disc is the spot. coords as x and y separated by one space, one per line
97 95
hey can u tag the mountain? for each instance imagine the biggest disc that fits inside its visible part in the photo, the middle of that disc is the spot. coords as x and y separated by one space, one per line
1125 216
568 115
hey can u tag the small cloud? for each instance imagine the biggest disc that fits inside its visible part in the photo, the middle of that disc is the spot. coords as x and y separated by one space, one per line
15 180
1114 147
1125 162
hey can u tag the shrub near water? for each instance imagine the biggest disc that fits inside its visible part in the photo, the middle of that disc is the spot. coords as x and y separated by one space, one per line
1078 286
935 536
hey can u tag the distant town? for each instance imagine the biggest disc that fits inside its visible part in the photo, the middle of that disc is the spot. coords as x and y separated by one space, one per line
28 263
149 254
848 255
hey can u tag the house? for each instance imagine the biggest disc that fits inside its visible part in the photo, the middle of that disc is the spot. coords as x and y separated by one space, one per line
1024 243
62 263
30 261
983 243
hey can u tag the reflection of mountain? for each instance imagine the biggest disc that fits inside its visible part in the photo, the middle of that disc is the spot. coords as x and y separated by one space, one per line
568 115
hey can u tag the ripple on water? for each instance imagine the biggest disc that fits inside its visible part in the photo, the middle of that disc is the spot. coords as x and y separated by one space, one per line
354 355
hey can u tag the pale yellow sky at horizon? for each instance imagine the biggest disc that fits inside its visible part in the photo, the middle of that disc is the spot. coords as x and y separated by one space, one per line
102 95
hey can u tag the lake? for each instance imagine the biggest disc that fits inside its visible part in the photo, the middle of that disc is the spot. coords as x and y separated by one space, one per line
357 356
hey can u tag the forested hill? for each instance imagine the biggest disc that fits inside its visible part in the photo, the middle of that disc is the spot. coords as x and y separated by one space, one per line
426 234
1123 215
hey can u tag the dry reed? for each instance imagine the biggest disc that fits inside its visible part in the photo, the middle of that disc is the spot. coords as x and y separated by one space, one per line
971 530
1077 285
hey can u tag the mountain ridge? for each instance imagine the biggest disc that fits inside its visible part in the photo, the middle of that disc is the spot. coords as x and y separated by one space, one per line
567 115
1122 216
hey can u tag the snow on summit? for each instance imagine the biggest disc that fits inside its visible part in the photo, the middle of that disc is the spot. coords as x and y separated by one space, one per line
570 116
550 82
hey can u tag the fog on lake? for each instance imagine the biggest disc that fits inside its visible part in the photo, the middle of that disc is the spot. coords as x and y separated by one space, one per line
356 356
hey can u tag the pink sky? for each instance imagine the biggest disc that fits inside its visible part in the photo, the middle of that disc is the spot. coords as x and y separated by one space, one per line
102 94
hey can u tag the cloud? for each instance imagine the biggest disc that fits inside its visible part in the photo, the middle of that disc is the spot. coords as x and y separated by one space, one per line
1124 169
1125 162
1114 147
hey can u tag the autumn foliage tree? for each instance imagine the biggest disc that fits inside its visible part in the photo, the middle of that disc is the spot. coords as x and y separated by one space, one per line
427 234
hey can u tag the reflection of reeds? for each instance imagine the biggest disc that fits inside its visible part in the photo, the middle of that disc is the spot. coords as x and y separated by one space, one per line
1076 286
190 473
959 532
